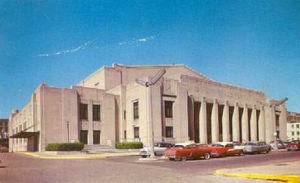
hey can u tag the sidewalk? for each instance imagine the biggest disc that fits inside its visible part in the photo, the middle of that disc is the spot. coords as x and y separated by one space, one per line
76 155
282 172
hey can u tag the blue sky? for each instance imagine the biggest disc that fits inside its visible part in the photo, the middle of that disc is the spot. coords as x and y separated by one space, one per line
254 44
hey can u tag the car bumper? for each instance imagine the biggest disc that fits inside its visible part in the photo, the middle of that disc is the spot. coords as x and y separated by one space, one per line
215 155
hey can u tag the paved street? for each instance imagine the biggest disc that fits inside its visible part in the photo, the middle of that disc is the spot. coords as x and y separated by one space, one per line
20 168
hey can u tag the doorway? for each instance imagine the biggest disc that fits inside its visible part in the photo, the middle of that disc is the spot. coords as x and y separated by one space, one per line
96 137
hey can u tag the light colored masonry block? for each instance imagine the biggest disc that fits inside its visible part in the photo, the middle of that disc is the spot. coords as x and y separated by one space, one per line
219 112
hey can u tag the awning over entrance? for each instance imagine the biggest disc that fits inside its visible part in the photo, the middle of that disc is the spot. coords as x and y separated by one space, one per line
24 134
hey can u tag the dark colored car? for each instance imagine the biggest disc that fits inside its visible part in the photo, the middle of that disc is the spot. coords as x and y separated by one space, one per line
294 145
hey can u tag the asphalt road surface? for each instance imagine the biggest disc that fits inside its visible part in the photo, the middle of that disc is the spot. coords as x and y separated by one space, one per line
16 168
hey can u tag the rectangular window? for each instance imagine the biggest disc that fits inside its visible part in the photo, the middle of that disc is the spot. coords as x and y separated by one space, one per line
125 134
96 112
292 126
124 114
168 109
298 133
293 133
136 110
83 111
136 132
297 125
83 136
169 132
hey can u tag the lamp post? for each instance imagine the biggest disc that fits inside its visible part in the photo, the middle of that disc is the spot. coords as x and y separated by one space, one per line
68 124
152 81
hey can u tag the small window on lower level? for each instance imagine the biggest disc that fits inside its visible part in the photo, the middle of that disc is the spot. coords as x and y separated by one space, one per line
169 132
136 132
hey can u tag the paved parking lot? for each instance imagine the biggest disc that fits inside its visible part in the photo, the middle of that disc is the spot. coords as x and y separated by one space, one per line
20 168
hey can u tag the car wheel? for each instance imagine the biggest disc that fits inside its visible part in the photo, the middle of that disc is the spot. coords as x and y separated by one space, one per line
144 156
183 159
177 159
206 156
242 153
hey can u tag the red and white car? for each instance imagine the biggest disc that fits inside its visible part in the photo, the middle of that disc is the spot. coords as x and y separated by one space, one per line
294 145
222 149
192 151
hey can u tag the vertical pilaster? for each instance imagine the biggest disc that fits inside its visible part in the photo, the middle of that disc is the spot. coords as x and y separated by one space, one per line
253 123
235 123
215 122
282 123
225 122
270 123
261 124
245 126
90 122
203 122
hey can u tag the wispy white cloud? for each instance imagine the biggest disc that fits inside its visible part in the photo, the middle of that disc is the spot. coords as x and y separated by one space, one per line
80 47
136 41
92 44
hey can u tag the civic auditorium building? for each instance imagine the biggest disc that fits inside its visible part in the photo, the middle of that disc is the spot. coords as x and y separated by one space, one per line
110 106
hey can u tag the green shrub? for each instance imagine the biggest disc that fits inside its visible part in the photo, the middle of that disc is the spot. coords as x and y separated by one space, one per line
65 147
129 145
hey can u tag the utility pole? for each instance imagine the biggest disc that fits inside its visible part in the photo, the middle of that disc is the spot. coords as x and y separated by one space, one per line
152 81
68 124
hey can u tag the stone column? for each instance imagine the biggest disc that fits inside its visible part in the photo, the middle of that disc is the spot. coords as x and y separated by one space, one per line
245 126
270 123
253 123
235 124
203 122
282 123
261 124
225 122
215 122
90 123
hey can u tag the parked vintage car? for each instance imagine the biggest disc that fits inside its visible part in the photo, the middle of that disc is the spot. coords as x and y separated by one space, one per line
222 149
294 145
277 144
184 144
256 147
159 149
193 151
238 145
3 149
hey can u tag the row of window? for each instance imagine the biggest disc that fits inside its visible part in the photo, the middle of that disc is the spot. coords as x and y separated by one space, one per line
168 110
136 132
19 128
96 112
293 133
297 126
84 136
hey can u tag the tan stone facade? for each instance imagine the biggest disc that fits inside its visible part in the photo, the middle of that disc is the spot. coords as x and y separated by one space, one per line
184 105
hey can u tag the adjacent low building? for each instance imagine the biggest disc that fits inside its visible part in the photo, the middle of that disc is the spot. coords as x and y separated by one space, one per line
293 126
111 106
3 128
4 132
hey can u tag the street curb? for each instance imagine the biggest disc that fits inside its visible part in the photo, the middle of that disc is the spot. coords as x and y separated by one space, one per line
280 178
63 157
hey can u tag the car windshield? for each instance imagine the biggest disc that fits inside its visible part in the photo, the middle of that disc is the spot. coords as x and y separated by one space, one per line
250 144
217 145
